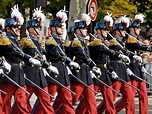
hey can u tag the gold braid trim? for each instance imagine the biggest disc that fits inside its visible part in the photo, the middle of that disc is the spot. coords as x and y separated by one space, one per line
132 40
67 44
113 42
51 41
26 42
4 41
76 43
96 42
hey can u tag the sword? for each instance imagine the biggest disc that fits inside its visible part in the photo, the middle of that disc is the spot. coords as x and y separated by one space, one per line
142 79
37 86
107 86
16 83
128 84
3 92
60 84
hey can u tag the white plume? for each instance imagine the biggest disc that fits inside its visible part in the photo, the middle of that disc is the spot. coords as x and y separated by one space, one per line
38 15
17 15
2 21
61 15
108 18
125 19
86 18
139 17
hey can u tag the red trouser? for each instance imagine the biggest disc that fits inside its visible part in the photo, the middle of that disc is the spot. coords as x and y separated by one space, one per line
65 97
1 104
43 98
108 99
89 100
19 97
143 98
127 95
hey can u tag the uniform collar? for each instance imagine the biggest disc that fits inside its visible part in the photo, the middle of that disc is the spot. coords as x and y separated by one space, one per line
33 38
10 36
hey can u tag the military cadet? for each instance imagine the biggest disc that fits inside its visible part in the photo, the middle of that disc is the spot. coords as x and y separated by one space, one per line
120 68
13 54
57 57
32 47
79 51
135 66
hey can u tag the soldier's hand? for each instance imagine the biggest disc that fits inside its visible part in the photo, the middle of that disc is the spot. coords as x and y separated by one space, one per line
53 69
124 58
129 72
92 74
74 64
96 70
1 71
138 58
114 75
7 66
35 62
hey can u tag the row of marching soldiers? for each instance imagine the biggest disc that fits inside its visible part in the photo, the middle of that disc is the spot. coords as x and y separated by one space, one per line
76 70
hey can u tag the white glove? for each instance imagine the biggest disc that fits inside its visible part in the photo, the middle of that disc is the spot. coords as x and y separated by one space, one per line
45 72
1 71
96 70
114 75
92 74
143 69
7 66
125 58
35 62
74 64
69 71
138 58
53 69
129 72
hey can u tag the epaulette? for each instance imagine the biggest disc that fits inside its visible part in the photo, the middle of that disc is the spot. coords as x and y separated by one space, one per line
4 41
96 42
76 43
67 43
51 41
26 42
132 40
113 42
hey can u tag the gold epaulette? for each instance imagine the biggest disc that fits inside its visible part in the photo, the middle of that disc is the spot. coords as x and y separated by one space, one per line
4 41
51 41
26 42
67 43
76 43
96 42
113 42
132 40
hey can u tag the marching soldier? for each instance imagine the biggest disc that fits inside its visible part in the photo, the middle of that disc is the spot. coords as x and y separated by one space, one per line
79 51
120 68
56 56
11 50
134 45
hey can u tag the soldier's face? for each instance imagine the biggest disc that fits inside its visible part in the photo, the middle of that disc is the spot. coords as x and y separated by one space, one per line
123 33
16 30
84 31
137 30
59 30
104 33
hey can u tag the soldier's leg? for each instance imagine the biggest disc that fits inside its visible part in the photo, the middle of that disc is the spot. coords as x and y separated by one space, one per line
52 89
90 100
143 98
44 100
81 108
1 104
9 88
66 100
57 103
120 103
128 98
21 102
